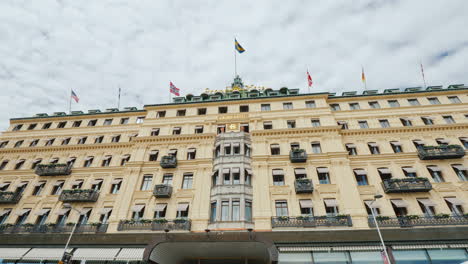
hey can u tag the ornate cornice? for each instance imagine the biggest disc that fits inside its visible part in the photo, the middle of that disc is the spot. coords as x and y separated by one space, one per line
67 148
295 131
406 129
175 138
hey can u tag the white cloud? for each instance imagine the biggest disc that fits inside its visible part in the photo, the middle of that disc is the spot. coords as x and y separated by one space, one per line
48 47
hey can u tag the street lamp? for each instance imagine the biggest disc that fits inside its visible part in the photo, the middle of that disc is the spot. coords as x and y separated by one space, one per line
65 255
377 196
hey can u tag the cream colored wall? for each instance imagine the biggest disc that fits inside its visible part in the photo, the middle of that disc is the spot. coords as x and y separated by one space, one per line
343 186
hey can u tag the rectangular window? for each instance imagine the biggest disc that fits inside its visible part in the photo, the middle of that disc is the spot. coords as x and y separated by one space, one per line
300 173
115 138
436 173
287 106
449 119
331 207
213 212
384 123
107 122
281 208
115 185
248 210
106 161
306 207
396 146
275 149
61 124
187 181
413 102
201 111
38 188
235 210
406 121
433 100
267 125
34 143
176 131
225 211
222 110
32 126
409 172
363 124
167 179
351 148
140 120
316 149
291 123
57 188
454 99
393 103
199 129
310 104
265 107
243 108
98 139
343 124
427 120
361 177
180 112
226 176
161 114
461 171
50 142
88 161
374 105
278 177
315 122
146 183
191 153
354 106
18 143
335 107
17 127
76 124
323 175
124 121
373 148
235 175
46 125
154 132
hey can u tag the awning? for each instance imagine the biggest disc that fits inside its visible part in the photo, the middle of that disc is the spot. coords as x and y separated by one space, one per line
75 182
463 138
13 253
384 170
172 151
350 145
330 202
235 170
191 150
247 145
137 208
20 161
57 183
372 144
105 210
219 126
236 144
300 171
89 158
198 127
62 211
96 181
130 254
434 168
155 130
160 207
43 211
107 157
360 172
21 212
274 146
116 181
456 166
267 123
54 160
249 171
227 144
454 201
153 152
406 118
443 141
126 156
44 253
182 207
399 203
372 204
278 172
4 184
322 170
409 170
21 184
226 171
4 212
95 253
426 202
418 141
395 143
305 203
85 211
37 160
71 159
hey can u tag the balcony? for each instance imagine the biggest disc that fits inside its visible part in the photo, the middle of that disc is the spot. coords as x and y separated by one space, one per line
168 162
415 220
303 186
52 228
162 191
441 152
406 185
79 195
160 224
52 169
9 197
298 155
311 221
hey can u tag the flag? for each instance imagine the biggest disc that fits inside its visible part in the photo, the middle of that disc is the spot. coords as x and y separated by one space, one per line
173 89
384 257
74 96
363 76
309 79
238 47
422 70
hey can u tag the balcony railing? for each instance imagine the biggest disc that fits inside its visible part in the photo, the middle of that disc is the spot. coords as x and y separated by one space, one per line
414 220
298 155
441 152
406 185
27 228
168 162
79 195
154 225
9 197
162 191
303 186
311 221
52 169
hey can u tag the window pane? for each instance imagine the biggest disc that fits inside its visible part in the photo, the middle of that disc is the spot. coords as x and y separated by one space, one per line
330 257
366 257
410 257
296 258
447 256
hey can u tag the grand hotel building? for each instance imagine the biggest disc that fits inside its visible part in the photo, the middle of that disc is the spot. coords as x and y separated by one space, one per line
242 176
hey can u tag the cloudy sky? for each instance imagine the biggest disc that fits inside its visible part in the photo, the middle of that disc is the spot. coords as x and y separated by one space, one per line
93 47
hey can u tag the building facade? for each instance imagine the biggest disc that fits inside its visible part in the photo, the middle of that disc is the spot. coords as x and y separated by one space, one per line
242 176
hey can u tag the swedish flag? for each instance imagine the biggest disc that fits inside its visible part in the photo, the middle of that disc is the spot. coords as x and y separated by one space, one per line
238 47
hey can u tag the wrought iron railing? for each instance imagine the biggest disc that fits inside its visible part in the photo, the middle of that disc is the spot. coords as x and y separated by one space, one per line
441 152
298 155
414 220
168 162
311 221
52 169
406 185
154 225
79 195
9 197
303 186
162 191
27 228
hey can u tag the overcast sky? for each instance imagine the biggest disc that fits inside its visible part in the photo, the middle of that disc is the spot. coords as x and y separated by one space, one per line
93 47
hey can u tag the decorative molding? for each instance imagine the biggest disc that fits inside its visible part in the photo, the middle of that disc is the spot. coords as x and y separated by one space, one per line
411 129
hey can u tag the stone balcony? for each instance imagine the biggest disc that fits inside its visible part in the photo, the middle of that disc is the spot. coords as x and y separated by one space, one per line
162 191
9 197
406 185
298 155
154 225
52 228
441 152
168 162
79 195
415 221
52 169
311 221
303 186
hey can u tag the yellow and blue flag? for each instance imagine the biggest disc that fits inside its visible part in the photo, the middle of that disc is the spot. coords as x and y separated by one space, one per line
238 47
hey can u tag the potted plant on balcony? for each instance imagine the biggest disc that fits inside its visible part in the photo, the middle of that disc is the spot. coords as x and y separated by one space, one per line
341 216
70 224
180 220
145 221
440 216
95 223
411 217
160 220
382 218
283 218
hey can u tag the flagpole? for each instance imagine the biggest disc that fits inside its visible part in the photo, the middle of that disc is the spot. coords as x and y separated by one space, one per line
422 73
308 86
69 103
363 77
235 63
118 102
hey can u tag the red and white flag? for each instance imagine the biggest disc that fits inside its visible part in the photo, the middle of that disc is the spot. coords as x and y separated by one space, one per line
309 79
74 96
173 89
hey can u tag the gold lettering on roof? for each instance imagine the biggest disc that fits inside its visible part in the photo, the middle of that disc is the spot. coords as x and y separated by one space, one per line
233 117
